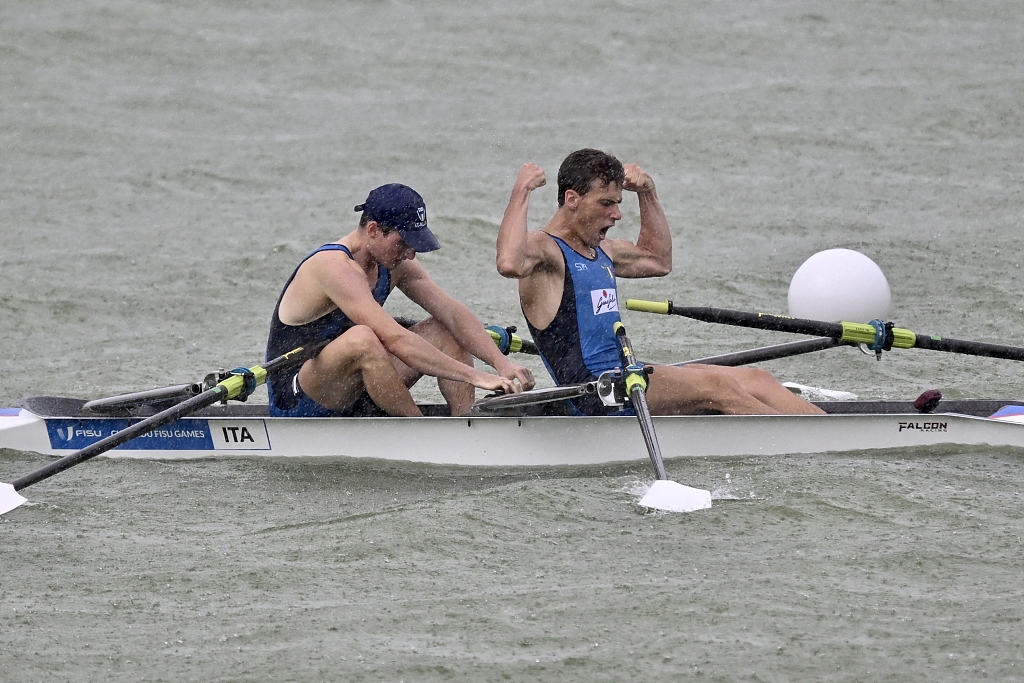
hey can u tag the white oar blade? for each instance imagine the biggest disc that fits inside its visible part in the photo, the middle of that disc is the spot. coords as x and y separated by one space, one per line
9 498
674 497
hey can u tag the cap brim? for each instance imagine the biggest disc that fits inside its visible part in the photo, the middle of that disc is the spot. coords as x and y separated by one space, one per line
420 240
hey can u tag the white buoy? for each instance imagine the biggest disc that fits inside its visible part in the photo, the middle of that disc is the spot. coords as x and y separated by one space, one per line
839 285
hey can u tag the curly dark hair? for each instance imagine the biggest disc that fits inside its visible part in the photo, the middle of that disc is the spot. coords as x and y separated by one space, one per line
581 168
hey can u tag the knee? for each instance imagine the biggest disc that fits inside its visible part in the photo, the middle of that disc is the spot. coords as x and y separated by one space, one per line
759 377
447 344
724 384
363 342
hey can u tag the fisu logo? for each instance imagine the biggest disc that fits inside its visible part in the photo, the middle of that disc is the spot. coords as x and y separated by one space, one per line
604 301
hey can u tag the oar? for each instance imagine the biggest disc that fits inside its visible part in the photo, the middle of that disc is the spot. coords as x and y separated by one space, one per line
490 404
509 342
664 494
766 352
504 337
239 385
172 394
877 335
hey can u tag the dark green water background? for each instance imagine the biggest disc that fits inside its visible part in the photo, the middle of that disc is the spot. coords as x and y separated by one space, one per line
164 165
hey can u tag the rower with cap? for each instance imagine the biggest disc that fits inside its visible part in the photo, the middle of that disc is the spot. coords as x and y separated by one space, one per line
339 290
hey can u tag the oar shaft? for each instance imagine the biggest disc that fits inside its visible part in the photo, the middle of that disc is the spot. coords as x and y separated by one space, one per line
643 414
636 385
534 397
227 389
122 437
853 333
764 321
139 398
970 348
767 352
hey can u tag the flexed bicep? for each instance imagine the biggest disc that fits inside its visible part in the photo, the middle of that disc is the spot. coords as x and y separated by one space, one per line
517 253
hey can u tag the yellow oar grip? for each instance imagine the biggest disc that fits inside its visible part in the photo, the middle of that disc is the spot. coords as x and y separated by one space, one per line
861 333
858 333
235 384
903 339
635 380
647 306
515 342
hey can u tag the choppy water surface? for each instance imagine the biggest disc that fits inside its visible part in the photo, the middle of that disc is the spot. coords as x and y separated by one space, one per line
164 166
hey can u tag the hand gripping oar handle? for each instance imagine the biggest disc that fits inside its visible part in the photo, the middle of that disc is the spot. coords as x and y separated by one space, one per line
878 336
636 388
235 386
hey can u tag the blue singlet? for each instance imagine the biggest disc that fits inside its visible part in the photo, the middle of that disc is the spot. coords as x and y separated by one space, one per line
579 344
286 397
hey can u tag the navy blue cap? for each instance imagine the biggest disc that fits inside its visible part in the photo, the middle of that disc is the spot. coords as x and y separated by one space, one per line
401 208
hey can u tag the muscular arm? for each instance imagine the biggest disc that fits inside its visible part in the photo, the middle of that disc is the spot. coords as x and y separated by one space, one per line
651 256
345 285
460 321
519 253
530 257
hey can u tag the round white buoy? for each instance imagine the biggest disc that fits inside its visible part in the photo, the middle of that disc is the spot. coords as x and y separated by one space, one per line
839 285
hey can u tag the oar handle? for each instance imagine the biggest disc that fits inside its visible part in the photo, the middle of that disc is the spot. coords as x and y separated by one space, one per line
509 342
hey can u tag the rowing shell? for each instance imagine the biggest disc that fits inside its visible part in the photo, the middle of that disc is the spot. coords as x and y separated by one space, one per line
59 426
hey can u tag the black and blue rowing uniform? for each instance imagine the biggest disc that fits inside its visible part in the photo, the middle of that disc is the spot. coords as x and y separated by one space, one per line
579 343
286 396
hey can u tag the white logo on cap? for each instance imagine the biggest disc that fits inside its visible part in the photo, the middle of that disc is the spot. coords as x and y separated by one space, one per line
421 214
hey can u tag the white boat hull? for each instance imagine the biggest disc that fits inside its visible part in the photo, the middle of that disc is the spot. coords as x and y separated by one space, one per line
508 441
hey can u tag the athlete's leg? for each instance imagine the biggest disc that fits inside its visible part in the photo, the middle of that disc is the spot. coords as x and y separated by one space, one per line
458 395
763 386
354 361
695 388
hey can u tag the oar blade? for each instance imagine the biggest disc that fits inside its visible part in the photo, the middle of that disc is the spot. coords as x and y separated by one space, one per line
672 496
9 498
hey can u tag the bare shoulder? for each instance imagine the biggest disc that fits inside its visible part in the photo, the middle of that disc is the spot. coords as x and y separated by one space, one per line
635 261
546 252
619 249
327 266
323 282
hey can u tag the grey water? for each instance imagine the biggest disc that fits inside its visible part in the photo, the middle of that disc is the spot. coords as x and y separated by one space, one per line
164 165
